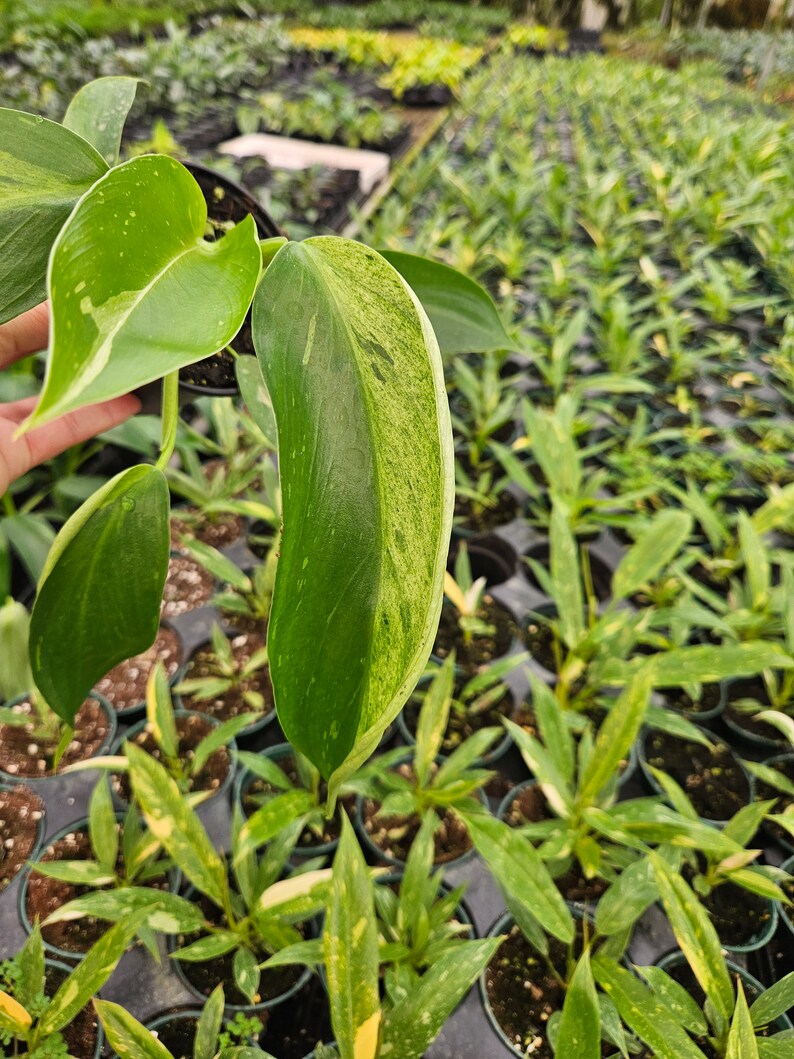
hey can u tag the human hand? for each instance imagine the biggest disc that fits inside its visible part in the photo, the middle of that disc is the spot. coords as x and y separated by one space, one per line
27 334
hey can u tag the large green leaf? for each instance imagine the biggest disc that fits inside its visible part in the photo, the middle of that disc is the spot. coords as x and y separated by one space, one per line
99 598
411 1026
708 664
98 112
351 952
44 169
615 739
366 461
463 315
580 1026
149 295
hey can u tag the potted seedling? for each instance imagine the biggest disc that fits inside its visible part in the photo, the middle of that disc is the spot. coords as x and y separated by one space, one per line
395 798
245 598
194 748
164 1038
45 1006
99 862
366 1027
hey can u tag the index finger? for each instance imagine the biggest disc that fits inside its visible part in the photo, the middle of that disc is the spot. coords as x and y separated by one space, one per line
25 334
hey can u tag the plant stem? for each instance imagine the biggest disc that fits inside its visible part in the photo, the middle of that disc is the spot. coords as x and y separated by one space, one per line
170 414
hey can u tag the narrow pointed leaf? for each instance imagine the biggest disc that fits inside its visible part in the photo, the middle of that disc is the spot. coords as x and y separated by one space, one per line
353 370
579 1033
615 738
773 1002
99 599
741 1038
205 1044
121 316
44 170
658 544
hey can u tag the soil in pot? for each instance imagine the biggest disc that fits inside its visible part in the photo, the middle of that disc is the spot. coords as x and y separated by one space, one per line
530 806
125 685
539 640
714 780
187 586
292 1029
191 728
503 511
219 530
82 1033
682 702
45 895
462 724
20 755
739 916
395 834
232 702
21 812
204 977
753 689
482 649
524 994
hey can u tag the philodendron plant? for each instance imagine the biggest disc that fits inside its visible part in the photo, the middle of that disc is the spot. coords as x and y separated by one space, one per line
350 365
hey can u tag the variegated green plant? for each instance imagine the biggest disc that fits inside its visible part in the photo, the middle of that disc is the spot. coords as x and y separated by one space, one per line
212 1039
351 365
32 1015
258 909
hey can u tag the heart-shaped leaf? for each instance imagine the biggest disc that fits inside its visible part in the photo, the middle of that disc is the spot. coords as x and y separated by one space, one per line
99 597
365 454
136 291
44 169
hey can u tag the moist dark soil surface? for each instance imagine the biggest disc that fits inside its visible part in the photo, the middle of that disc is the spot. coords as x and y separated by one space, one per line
125 685
82 1032
395 834
178 1035
187 586
530 806
45 895
463 724
231 703
294 1029
191 729
524 994
679 700
482 649
538 639
504 510
739 917
219 531
259 791
204 977
713 779
21 811
21 755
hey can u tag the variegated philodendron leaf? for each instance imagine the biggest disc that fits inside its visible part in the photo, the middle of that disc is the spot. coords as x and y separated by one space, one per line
136 291
365 454
98 112
44 170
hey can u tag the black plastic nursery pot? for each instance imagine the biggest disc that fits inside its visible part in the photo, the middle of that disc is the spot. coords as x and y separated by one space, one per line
742 725
60 893
698 770
783 763
215 778
22 761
